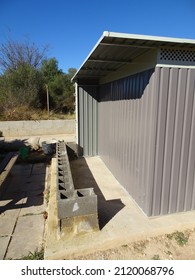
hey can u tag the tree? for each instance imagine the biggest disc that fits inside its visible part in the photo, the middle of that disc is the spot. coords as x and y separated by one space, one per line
13 54
25 77
69 101
49 69
61 90
20 87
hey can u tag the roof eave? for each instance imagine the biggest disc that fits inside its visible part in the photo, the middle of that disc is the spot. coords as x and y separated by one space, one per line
134 37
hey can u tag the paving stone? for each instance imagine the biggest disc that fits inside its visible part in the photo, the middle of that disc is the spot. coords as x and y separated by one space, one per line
8 220
37 177
33 205
21 170
4 241
28 236
39 168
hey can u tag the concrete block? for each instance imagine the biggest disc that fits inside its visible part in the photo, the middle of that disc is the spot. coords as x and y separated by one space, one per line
77 209
82 202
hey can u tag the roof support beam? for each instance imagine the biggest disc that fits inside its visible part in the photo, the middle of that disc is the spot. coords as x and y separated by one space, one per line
128 45
109 60
98 69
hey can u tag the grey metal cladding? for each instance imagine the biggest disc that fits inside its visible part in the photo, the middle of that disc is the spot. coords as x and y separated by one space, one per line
87 120
146 137
126 132
174 184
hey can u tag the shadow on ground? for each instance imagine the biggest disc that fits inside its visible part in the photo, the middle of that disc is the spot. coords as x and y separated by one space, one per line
83 178
24 186
12 145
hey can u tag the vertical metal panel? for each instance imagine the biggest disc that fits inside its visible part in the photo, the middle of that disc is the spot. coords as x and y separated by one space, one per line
184 187
146 132
87 120
150 160
169 134
161 126
189 202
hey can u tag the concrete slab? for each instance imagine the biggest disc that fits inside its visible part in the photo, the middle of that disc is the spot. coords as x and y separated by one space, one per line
121 220
8 220
4 241
33 205
27 186
23 169
38 168
37 178
28 236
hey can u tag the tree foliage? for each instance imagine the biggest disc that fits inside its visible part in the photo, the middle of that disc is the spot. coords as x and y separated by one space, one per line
61 90
26 73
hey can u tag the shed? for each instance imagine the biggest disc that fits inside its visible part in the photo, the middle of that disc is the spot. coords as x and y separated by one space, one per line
136 110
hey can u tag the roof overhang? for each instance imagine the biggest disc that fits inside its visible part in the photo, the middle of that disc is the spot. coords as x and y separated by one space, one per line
114 50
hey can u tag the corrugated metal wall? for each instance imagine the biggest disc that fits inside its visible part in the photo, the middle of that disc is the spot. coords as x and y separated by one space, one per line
87 119
146 136
174 173
127 115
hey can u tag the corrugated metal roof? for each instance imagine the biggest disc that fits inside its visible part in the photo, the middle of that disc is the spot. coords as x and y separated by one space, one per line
114 50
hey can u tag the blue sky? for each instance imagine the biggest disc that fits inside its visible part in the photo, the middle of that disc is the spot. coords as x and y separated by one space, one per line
72 28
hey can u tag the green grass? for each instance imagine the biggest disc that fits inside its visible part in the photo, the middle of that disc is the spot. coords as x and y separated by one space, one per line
179 237
36 255
156 257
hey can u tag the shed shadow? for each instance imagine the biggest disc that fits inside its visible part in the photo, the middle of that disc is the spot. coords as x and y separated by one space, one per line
23 188
129 88
12 145
83 178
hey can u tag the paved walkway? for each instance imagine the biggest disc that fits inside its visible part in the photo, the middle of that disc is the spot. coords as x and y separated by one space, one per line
22 210
22 205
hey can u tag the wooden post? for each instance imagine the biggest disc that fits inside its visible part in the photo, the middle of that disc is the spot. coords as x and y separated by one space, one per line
47 92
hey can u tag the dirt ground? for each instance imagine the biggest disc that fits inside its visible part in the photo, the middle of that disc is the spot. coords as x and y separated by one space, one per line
175 246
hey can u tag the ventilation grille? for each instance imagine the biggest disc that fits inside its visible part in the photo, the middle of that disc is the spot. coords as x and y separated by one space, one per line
177 56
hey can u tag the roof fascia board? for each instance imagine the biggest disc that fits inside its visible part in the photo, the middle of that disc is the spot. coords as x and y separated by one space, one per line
150 38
